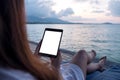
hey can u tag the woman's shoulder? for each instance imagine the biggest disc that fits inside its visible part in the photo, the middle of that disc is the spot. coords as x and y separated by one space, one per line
13 74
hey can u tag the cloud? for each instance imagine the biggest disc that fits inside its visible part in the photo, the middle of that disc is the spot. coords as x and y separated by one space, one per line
114 7
95 2
81 0
43 9
39 8
91 1
98 11
78 19
65 12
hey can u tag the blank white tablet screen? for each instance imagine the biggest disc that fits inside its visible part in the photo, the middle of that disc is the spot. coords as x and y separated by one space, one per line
50 42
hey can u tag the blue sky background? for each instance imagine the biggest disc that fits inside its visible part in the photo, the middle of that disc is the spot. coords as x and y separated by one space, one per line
87 11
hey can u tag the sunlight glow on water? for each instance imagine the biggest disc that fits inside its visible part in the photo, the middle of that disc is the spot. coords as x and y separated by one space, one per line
105 39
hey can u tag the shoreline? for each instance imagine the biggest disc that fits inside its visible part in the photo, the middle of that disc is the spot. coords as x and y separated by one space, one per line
106 23
67 55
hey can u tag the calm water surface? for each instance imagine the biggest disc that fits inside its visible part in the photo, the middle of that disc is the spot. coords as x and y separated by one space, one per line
105 39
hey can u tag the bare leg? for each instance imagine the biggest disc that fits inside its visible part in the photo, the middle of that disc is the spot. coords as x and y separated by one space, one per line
96 66
91 56
81 59
92 67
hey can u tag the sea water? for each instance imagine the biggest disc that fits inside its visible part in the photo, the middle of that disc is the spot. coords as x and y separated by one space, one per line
103 38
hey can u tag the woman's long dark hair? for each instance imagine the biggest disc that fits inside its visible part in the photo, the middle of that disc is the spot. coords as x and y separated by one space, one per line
14 48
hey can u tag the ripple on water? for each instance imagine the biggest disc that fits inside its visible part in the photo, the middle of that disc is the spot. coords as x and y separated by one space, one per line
102 38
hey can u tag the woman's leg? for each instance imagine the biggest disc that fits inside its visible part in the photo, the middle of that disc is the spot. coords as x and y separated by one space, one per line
81 59
91 56
96 66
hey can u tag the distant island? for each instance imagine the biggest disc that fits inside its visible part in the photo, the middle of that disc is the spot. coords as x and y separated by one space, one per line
37 20
107 23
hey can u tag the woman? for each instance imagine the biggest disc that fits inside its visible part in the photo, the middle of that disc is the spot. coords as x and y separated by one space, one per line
14 49
16 59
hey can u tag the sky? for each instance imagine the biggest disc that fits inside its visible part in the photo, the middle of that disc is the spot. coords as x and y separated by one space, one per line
81 11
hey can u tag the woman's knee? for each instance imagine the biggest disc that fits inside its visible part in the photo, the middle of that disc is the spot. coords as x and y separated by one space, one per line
81 56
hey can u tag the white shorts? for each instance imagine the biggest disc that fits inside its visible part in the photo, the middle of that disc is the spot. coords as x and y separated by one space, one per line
71 71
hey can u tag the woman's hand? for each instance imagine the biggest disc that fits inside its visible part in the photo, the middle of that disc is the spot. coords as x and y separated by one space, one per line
56 61
37 49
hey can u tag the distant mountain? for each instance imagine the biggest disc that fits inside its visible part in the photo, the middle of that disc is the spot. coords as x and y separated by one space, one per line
32 19
107 23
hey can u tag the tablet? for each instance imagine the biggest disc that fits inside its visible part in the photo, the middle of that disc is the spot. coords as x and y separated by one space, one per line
51 42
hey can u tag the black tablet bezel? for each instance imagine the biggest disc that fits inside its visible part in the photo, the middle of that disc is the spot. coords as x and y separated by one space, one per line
55 30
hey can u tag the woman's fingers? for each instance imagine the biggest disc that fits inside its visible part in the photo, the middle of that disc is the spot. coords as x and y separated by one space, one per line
56 61
37 49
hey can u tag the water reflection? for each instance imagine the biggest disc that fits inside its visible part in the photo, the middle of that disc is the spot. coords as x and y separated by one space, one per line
103 38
